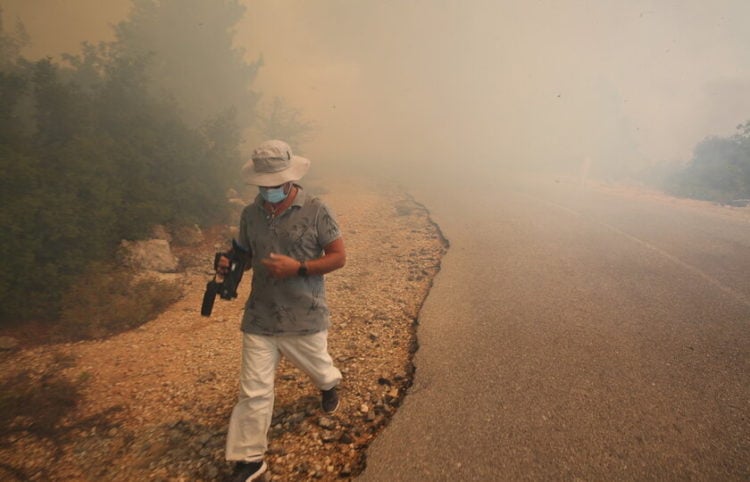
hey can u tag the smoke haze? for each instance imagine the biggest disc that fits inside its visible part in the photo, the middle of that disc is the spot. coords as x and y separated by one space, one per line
441 84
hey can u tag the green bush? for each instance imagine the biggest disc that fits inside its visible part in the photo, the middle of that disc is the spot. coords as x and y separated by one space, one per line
90 155
719 170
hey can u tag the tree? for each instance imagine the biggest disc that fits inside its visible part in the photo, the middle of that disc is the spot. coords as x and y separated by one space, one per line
98 164
278 121
11 44
719 169
93 151
742 138
13 85
189 45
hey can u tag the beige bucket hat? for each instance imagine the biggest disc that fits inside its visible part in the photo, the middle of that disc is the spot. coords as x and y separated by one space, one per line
273 164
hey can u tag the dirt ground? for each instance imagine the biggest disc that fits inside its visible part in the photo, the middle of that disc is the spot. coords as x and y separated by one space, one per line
153 403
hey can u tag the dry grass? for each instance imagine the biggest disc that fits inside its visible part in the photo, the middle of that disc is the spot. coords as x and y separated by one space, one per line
107 301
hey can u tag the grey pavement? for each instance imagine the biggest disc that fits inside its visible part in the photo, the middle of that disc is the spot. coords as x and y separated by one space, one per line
574 334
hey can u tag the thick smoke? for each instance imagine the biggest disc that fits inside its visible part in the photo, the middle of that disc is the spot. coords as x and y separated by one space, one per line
486 84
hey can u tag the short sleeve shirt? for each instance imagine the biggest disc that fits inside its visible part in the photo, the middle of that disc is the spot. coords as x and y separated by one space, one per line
295 305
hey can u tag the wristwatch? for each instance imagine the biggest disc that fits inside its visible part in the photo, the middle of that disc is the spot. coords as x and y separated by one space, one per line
302 271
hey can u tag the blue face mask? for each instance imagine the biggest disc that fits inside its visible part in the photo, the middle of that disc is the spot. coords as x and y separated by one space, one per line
273 195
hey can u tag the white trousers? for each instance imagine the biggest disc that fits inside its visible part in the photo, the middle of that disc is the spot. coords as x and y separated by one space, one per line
248 428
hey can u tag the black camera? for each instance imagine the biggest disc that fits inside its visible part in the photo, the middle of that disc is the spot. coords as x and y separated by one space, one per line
225 285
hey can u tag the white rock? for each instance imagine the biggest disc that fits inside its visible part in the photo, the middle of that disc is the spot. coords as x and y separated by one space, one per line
152 254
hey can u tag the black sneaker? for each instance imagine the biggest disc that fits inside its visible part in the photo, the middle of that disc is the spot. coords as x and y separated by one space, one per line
329 400
249 471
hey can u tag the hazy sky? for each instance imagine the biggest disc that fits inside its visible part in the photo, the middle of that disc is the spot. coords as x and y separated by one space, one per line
480 82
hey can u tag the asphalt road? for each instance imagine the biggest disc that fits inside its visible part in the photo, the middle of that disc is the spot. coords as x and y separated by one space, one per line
577 334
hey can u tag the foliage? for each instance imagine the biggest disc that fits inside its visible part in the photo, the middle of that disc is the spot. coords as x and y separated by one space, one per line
11 44
279 121
89 155
192 58
719 170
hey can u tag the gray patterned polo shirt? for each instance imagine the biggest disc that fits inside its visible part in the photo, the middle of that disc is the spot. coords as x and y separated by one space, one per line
295 305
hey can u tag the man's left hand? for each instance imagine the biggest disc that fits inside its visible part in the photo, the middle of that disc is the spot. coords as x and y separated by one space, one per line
280 266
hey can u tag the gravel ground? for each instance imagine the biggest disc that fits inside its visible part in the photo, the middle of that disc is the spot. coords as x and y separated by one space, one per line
153 403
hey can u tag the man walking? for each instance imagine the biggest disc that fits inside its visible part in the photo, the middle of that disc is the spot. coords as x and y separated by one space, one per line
292 240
